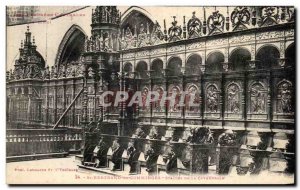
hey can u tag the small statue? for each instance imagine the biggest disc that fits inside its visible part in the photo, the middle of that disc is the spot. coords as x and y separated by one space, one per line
285 95
88 151
100 153
233 99
133 156
139 133
116 157
171 161
200 135
212 99
151 159
154 133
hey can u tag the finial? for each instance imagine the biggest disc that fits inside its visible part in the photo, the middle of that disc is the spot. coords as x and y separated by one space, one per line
174 23
174 17
21 43
194 14
27 28
148 30
33 40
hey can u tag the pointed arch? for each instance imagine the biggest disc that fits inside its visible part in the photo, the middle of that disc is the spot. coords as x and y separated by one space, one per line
134 16
129 11
42 59
71 46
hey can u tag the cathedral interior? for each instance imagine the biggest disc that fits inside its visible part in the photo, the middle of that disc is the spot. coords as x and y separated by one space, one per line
238 63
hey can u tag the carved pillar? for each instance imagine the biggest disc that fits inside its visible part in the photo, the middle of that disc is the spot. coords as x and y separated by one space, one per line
85 98
202 93
55 102
269 98
29 115
73 117
101 85
254 153
166 83
245 96
222 97
183 80
122 89
151 89
227 148
282 60
199 160
47 103
200 141
122 105
64 98
136 84
252 64
226 61
225 66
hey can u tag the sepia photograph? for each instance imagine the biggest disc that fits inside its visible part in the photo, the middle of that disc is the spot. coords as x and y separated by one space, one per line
150 95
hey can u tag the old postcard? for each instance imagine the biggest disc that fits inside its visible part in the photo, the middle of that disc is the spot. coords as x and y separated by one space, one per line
150 95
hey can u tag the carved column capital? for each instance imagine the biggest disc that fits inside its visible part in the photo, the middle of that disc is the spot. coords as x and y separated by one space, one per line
282 62
225 66
202 68
252 64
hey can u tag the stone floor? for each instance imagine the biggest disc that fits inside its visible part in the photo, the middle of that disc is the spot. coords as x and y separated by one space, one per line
66 171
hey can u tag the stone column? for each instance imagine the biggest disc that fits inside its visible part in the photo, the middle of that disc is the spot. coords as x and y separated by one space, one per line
200 141
199 158
85 103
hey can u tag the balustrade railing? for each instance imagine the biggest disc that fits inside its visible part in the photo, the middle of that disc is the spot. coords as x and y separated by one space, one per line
41 141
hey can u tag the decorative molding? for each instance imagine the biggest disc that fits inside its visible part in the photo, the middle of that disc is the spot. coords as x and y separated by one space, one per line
196 45
269 35
242 38
142 53
176 48
290 32
157 51
128 55
217 42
